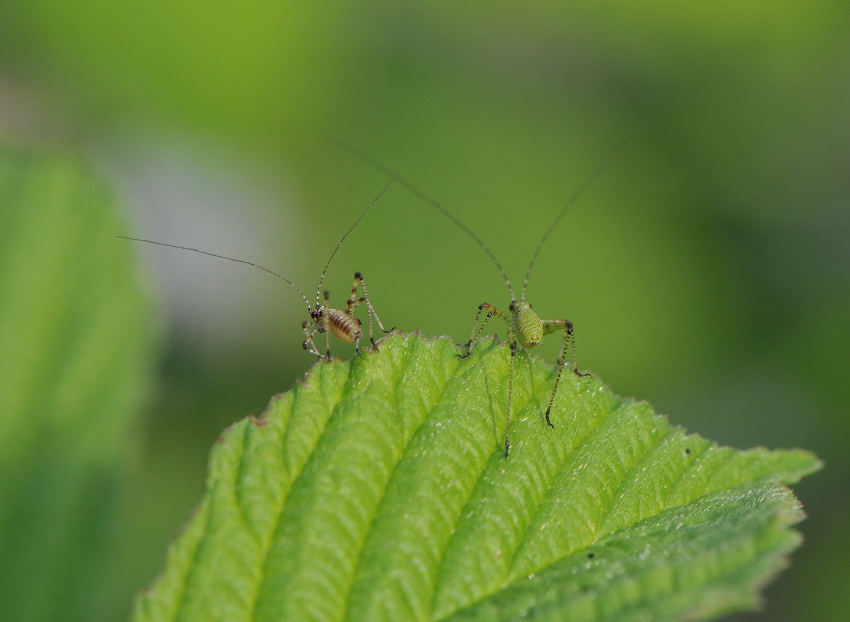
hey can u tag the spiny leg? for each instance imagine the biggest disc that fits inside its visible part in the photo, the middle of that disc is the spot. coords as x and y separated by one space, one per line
476 329
326 327
512 341
550 326
308 344
349 310
354 302
370 310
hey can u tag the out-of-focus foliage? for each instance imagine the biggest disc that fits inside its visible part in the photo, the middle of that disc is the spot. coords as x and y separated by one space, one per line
76 345
706 270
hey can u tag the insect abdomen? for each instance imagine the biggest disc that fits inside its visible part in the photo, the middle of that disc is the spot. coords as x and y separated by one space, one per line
344 327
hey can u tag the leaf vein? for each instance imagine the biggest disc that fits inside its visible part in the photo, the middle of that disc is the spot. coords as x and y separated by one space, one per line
193 569
261 579
406 358
239 489
567 456
629 476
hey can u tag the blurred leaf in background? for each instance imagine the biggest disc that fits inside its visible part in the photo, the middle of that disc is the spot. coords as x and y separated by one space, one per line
76 361
725 229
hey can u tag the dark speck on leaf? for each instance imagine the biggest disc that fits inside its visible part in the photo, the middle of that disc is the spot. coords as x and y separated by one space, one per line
688 451
590 555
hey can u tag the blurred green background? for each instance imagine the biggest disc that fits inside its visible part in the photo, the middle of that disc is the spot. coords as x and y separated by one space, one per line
706 270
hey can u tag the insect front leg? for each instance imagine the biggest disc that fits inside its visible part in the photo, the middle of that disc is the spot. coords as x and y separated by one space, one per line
326 327
550 326
308 344
476 328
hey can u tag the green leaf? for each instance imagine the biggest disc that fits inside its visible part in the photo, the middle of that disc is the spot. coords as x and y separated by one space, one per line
377 489
75 362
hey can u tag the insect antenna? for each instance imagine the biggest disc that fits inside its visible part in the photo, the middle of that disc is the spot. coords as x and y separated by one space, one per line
249 263
430 201
577 195
350 229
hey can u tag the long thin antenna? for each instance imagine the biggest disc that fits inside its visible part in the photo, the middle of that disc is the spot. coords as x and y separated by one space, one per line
350 229
577 195
249 263
430 201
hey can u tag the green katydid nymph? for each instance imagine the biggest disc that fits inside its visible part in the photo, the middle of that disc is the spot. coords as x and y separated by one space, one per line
525 327
323 319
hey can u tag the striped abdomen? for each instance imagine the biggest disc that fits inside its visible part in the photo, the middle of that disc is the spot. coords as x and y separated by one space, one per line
344 327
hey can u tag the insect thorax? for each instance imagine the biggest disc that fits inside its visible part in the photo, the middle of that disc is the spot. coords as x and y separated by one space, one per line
527 324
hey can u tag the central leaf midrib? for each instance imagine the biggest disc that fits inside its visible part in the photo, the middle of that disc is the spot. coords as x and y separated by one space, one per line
473 366
542 392
522 540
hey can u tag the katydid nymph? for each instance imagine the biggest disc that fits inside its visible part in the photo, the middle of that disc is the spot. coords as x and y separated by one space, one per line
525 327
323 319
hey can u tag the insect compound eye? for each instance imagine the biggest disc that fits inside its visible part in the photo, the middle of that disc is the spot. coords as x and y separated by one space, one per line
511 308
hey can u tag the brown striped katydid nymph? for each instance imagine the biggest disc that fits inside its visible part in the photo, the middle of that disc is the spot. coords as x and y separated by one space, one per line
340 323
525 327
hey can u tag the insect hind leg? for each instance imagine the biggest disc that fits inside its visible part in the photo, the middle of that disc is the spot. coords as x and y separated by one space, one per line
550 326
354 302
